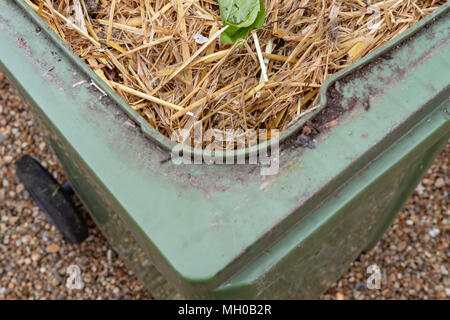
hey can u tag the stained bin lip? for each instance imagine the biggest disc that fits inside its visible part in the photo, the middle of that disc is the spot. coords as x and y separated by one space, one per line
168 145
192 272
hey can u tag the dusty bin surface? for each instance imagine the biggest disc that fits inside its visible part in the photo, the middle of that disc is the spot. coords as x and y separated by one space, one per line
214 231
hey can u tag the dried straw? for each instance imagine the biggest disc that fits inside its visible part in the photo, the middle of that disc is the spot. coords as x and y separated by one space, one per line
147 51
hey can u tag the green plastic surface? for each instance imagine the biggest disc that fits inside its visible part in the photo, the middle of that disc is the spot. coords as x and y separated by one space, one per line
216 231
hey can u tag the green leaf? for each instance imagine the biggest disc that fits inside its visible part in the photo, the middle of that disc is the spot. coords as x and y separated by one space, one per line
241 17
239 13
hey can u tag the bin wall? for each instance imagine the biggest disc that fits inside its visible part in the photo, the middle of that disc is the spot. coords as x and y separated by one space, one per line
317 252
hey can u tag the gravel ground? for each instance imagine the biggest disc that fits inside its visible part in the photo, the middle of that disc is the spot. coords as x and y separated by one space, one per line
413 255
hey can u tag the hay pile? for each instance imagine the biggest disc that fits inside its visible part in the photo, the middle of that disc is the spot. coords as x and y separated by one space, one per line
152 52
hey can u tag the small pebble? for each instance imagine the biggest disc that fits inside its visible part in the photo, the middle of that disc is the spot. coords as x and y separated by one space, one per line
402 246
434 232
52 248
35 256
439 183
340 296
3 292
20 188
3 137
361 286
420 188
439 287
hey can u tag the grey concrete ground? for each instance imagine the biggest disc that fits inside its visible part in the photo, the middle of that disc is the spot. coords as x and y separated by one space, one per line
413 255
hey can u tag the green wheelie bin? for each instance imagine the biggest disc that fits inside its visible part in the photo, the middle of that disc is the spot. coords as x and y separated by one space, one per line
226 231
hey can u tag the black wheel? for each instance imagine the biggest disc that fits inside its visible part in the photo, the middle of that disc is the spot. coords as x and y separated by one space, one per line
53 199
